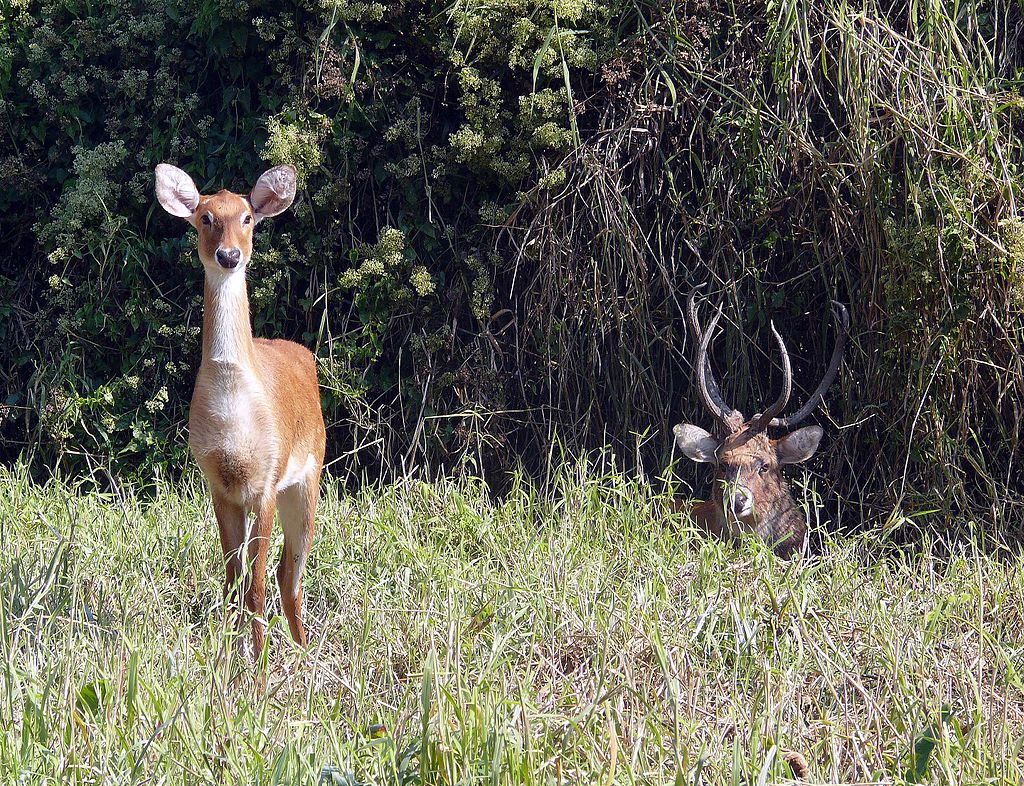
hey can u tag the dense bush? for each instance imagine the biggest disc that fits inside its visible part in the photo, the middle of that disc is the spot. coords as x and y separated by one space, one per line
502 207
413 127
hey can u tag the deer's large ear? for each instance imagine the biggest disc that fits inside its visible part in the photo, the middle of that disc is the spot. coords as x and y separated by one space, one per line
696 443
799 445
176 191
273 192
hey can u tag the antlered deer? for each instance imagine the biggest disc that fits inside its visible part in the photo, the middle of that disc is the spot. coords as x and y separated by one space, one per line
749 493
255 424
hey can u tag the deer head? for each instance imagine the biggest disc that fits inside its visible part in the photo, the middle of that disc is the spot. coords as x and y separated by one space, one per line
225 220
749 493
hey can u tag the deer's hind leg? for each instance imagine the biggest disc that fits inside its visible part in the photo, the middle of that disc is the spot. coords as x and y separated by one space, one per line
297 508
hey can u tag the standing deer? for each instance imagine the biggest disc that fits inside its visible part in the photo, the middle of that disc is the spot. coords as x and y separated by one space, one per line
749 493
255 424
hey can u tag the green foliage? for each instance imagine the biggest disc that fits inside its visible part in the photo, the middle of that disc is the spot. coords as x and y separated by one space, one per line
410 126
500 206
385 281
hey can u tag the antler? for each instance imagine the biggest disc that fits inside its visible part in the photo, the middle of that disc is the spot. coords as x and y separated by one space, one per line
760 422
706 384
712 396
843 318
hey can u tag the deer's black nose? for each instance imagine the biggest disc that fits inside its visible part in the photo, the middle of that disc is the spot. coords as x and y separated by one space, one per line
742 502
228 257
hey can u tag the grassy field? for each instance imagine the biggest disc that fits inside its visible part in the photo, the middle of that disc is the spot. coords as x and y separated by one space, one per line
584 635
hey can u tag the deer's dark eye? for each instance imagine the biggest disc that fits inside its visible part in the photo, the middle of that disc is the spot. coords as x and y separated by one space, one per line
206 219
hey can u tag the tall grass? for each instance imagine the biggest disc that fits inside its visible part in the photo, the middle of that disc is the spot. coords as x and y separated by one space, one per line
580 635
789 154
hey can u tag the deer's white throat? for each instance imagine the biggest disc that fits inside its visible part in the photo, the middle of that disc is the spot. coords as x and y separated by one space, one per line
230 332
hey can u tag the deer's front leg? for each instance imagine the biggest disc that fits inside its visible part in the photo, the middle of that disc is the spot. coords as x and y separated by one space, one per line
256 589
232 525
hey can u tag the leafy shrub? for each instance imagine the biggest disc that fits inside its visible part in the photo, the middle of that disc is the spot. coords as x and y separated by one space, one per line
409 124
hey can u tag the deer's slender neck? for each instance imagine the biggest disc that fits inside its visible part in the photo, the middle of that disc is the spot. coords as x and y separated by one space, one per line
784 526
227 333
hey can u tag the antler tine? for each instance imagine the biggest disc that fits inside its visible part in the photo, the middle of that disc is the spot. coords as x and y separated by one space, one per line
717 408
762 421
843 318
710 393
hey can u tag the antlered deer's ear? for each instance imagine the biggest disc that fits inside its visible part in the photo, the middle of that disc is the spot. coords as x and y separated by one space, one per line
176 191
273 192
799 445
696 443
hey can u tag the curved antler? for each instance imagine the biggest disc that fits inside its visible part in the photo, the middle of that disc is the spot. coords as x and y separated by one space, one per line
762 421
843 318
709 391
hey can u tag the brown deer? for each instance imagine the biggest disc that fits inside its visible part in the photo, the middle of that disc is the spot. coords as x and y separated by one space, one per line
255 424
749 493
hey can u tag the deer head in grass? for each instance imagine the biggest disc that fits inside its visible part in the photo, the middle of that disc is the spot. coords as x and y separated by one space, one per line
749 493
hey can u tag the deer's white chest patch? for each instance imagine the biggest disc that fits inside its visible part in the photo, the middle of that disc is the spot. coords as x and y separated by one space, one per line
230 431
297 471
234 400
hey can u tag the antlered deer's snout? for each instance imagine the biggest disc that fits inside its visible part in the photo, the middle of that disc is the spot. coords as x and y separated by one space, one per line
742 502
736 487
